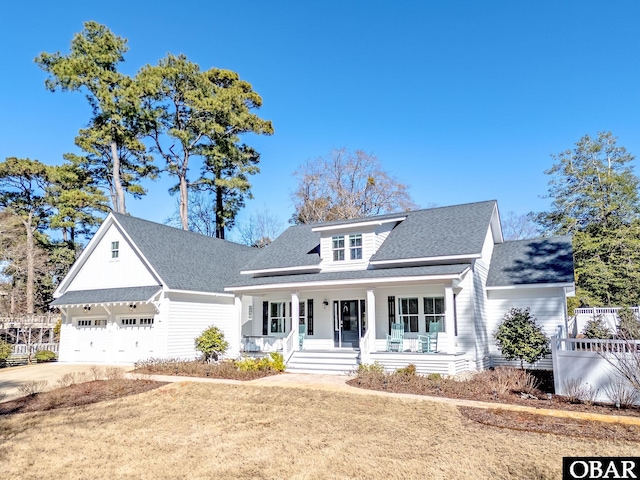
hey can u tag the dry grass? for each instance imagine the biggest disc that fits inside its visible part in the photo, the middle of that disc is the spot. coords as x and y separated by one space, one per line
190 430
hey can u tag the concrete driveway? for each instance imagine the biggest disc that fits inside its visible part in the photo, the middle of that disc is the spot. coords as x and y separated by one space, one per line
12 378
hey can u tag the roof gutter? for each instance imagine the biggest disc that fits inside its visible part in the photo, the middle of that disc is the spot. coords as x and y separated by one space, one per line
532 285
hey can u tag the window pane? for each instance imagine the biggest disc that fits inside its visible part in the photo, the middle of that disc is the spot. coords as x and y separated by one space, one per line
301 310
356 254
338 242
274 309
355 240
413 306
338 255
403 305
428 306
439 305
413 323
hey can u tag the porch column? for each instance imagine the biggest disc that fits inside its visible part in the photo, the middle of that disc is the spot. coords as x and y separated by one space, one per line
449 319
237 304
371 327
295 320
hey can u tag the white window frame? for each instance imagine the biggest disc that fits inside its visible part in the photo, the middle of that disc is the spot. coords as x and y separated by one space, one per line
337 247
431 317
406 317
355 246
115 250
279 321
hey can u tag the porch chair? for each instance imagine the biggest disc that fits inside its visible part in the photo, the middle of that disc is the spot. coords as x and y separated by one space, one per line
429 343
302 332
396 339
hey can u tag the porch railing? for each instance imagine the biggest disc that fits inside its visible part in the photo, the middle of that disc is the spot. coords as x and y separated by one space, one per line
261 344
602 310
24 349
597 345
287 346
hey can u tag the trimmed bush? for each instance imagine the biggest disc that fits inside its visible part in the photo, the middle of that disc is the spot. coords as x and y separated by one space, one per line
43 356
519 338
629 325
5 350
409 370
597 327
212 344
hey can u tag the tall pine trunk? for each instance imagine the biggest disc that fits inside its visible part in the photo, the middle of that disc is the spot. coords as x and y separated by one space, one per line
30 265
119 205
184 202
219 213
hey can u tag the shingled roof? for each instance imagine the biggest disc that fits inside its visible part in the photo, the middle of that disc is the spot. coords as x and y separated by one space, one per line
187 260
381 273
433 232
297 246
107 295
535 261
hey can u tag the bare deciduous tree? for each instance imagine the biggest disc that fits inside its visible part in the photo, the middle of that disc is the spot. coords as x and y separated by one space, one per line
519 227
346 185
260 229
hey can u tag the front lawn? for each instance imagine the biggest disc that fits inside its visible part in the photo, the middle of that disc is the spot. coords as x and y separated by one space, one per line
195 430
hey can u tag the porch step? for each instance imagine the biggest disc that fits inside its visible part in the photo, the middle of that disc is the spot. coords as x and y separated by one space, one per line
324 362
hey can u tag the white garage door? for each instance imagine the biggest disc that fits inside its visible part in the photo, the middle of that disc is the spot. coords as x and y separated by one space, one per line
91 339
135 338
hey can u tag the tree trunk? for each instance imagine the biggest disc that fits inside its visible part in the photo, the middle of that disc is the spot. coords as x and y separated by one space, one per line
184 202
117 182
219 213
30 266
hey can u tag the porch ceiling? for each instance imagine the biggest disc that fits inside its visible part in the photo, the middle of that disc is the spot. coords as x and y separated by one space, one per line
357 277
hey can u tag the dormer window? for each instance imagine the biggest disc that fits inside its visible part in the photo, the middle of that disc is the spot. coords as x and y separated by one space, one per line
338 248
355 247
115 249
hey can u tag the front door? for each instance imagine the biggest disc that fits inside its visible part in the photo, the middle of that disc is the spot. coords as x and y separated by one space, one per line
346 319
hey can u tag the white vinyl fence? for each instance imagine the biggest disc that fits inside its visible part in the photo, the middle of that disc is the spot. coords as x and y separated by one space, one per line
580 367
583 315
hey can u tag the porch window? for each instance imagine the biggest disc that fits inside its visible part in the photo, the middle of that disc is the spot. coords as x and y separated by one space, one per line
277 317
115 249
434 312
338 248
409 314
355 247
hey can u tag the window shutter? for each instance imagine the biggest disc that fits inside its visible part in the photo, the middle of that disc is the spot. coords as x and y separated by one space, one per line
392 311
310 316
265 318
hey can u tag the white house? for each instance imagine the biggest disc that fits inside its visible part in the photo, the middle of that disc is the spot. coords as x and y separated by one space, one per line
141 290
326 295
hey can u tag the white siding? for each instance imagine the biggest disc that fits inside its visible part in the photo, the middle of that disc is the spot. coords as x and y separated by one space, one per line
546 304
465 316
487 247
102 271
381 234
190 315
480 312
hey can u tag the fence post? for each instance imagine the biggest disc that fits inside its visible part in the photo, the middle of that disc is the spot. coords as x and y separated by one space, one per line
555 348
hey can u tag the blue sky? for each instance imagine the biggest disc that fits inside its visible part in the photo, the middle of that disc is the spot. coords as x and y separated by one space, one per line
464 101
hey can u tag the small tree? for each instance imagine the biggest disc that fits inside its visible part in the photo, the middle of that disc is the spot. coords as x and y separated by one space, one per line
597 327
519 338
5 350
628 324
212 344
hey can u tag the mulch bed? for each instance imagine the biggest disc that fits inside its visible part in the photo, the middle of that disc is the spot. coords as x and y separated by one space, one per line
556 425
224 370
77 395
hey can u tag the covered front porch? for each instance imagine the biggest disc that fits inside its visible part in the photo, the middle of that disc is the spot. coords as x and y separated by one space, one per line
307 323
